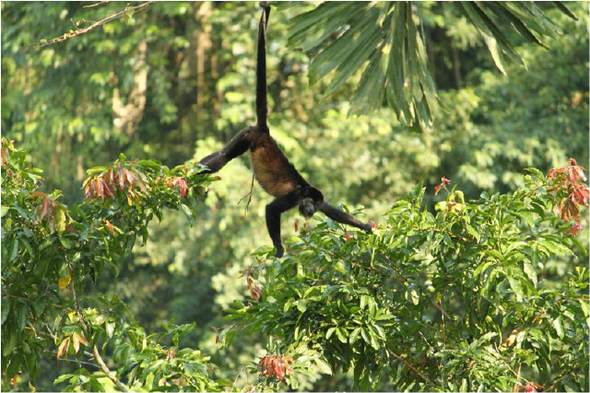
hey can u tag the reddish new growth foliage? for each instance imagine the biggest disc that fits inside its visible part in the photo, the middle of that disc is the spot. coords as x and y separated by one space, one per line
180 183
569 181
531 387
444 183
5 145
45 210
217 339
122 179
254 288
275 366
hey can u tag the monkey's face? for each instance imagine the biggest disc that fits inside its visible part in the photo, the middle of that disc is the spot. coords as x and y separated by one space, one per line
307 207
310 202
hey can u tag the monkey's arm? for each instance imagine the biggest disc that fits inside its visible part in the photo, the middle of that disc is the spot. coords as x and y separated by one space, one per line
236 147
273 219
338 215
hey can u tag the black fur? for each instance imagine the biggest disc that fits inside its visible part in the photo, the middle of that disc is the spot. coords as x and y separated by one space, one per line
272 169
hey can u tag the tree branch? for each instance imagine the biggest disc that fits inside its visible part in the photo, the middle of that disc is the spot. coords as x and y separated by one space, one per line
116 15
410 366
108 372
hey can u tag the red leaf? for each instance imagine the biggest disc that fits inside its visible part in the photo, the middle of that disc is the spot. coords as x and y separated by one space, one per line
107 190
444 183
256 292
180 183
44 207
580 194
574 229
567 210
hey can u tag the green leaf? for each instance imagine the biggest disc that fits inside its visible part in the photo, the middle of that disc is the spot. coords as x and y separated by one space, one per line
530 271
41 265
565 10
323 366
303 22
370 95
67 243
413 294
341 334
496 254
4 210
516 287
354 335
554 247
505 13
96 170
149 163
312 28
288 304
13 250
558 326
5 308
59 220
583 304
301 305
330 332
341 54
62 378
473 232
22 313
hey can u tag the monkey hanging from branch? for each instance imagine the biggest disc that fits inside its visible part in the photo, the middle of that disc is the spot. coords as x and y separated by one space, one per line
272 169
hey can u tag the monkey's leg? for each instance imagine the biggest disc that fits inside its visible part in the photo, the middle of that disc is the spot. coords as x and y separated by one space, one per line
273 219
235 148
338 215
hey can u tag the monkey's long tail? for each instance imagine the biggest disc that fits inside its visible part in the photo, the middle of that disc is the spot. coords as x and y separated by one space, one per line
261 99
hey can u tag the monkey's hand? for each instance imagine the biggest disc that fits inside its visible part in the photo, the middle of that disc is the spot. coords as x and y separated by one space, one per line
367 227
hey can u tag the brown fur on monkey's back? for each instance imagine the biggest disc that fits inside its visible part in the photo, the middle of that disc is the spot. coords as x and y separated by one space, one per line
274 172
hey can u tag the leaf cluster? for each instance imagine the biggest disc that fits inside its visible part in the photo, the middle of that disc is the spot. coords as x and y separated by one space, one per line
460 300
50 252
385 42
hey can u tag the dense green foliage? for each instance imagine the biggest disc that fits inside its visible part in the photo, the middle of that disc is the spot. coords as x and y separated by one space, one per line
175 82
460 300
50 252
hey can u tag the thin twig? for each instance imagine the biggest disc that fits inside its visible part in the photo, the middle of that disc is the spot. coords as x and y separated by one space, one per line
95 4
410 366
80 362
249 195
108 372
116 15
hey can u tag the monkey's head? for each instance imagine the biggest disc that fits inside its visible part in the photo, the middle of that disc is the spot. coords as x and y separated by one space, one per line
310 201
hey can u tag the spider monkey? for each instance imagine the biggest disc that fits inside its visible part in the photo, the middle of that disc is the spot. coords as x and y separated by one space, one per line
272 169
